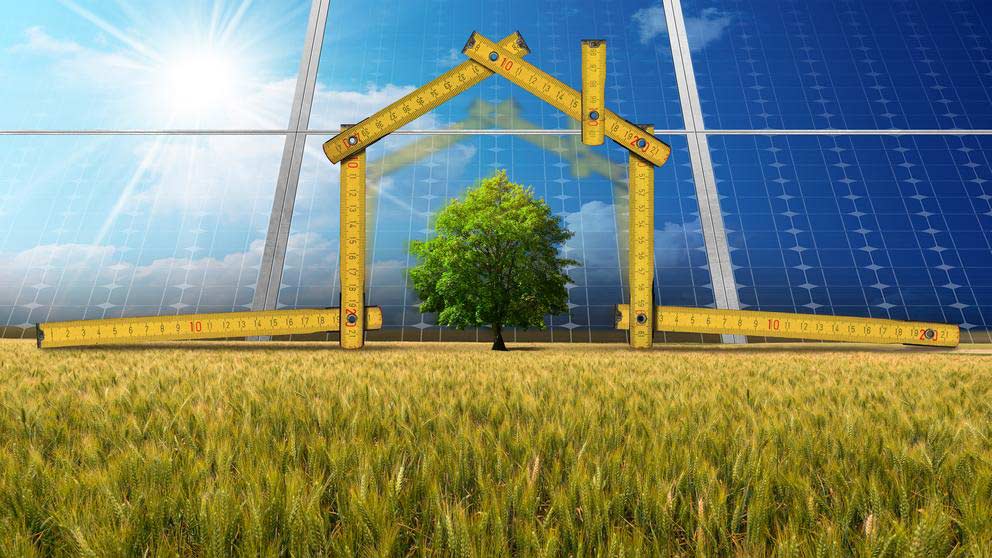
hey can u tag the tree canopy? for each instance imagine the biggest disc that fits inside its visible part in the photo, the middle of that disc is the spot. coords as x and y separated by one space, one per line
494 260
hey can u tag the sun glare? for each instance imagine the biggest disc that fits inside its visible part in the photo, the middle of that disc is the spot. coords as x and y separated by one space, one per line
196 83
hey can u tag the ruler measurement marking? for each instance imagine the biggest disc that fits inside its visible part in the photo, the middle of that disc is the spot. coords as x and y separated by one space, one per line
798 326
353 318
641 250
194 326
593 91
415 104
562 97
352 241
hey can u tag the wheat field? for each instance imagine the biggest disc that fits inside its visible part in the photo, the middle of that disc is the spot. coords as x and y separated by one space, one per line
233 449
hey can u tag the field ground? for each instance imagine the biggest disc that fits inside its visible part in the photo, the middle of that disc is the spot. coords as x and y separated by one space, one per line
219 449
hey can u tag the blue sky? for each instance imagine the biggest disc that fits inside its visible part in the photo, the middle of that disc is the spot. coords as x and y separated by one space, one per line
96 224
82 65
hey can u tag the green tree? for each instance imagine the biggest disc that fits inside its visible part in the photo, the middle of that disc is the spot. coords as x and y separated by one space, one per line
494 260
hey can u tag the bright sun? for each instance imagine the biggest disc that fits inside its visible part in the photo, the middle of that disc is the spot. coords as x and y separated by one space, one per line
198 83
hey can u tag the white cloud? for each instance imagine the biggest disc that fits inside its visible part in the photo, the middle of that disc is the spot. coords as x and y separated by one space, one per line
334 107
49 264
40 42
228 176
453 58
650 23
69 257
458 158
706 28
76 64
227 270
309 258
308 254
265 105
59 281
596 218
701 30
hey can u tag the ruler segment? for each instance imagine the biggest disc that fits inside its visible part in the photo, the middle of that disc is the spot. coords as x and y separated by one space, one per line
416 104
641 261
219 325
798 326
562 97
352 252
593 91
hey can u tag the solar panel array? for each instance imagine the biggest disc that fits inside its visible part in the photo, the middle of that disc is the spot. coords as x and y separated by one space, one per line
822 214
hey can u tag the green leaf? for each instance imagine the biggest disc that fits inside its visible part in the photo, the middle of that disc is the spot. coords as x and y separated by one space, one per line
494 260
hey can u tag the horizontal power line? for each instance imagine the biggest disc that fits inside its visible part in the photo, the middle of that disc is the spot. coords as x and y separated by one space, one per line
836 132
501 132
145 132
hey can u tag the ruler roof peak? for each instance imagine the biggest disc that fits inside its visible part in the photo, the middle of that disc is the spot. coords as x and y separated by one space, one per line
641 317
487 58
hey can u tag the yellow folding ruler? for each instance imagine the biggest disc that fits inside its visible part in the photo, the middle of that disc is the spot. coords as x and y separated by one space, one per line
640 316
593 90
352 255
552 91
641 248
794 326
195 326
445 87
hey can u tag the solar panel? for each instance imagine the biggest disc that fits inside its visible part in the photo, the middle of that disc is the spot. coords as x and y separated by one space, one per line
847 64
817 221
109 226
401 45
889 227
578 182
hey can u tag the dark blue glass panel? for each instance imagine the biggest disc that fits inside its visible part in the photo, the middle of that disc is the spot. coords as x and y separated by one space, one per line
109 226
890 227
153 64
844 64
414 175
375 52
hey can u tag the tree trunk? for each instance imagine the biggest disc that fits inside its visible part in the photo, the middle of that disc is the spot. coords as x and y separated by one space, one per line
498 344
